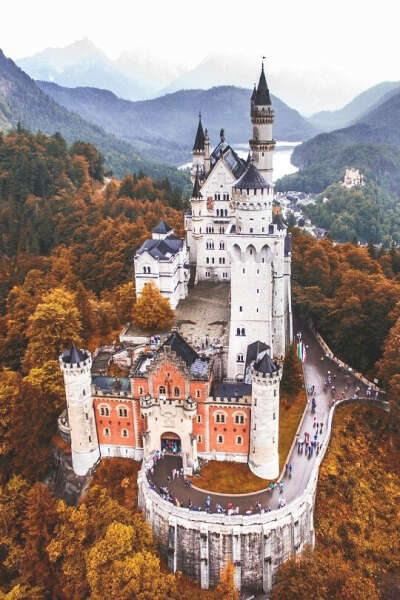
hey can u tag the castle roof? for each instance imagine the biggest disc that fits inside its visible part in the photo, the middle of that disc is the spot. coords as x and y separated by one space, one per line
262 97
162 249
258 357
236 164
231 389
199 141
251 179
74 355
278 220
288 244
162 227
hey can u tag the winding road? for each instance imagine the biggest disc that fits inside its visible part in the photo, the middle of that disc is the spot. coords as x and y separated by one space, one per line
316 369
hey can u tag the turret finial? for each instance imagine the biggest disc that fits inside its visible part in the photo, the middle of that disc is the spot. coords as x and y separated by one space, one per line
222 135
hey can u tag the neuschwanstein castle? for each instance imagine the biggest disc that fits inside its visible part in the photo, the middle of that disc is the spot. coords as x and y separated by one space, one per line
172 394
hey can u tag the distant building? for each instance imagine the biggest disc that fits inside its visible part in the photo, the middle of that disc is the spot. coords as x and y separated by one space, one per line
353 178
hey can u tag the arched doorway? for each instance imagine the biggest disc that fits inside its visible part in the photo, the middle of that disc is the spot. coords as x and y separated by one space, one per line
171 442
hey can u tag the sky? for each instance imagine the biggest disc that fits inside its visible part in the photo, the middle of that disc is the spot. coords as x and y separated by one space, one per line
353 36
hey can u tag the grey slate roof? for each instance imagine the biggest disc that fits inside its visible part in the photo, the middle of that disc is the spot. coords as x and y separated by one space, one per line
196 187
251 179
231 389
236 164
112 384
180 346
277 219
199 141
262 97
162 227
74 356
161 249
258 356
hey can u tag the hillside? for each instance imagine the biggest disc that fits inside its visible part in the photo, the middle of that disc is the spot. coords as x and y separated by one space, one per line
328 120
165 127
372 144
21 100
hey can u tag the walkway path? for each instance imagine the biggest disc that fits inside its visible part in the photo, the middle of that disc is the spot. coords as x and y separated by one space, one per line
316 369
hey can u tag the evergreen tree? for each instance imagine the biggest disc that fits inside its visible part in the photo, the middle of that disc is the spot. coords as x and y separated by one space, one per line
226 588
292 378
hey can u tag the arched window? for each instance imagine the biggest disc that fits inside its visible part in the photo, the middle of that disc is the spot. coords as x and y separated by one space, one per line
239 419
106 432
239 439
198 394
240 358
122 411
124 433
161 390
220 418
238 331
220 439
104 410
176 392
140 391
243 331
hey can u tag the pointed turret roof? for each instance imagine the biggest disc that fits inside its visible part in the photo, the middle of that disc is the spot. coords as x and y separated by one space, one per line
251 179
262 94
74 356
199 141
196 187
253 95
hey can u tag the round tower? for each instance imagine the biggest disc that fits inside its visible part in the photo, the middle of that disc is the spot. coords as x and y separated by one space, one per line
264 433
262 143
76 367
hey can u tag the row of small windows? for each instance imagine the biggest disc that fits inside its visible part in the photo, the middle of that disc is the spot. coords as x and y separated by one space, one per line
221 260
107 432
220 439
221 418
217 196
146 270
105 410
224 275
222 212
240 331
177 392
210 245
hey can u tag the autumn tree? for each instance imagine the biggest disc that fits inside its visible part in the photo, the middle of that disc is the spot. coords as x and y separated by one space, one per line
54 326
226 588
152 310
292 377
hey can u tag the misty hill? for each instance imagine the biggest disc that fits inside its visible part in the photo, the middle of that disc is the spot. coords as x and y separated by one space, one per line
165 127
372 144
328 120
21 100
132 75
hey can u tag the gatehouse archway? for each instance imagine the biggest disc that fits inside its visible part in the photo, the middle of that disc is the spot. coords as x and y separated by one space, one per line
171 442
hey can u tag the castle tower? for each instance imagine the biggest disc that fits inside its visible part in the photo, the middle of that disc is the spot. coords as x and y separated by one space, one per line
262 143
199 149
251 245
264 432
76 365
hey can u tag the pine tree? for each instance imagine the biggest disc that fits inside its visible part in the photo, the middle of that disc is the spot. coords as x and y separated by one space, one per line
152 310
226 588
292 379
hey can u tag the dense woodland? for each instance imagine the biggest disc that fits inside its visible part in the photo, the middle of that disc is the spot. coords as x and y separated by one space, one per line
66 246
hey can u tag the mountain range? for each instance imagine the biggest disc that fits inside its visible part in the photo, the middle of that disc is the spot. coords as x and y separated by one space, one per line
164 128
137 76
356 109
22 100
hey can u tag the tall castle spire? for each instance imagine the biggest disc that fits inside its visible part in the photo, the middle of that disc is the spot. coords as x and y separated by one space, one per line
262 143
199 141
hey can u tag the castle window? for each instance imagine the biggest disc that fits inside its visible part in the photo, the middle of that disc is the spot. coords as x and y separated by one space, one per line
90 439
274 392
240 308
239 419
225 275
258 291
140 390
212 260
220 418
222 245
274 416
176 392
124 433
198 394
243 331
207 273
207 260
244 270
199 418
106 432
199 438
239 439
220 439
161 390
240 358
122 411
104 411
84 392
251 231
238 331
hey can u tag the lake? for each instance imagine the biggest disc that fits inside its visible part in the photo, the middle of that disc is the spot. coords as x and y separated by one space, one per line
282 154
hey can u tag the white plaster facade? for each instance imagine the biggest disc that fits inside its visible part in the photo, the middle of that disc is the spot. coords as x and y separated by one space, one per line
76 368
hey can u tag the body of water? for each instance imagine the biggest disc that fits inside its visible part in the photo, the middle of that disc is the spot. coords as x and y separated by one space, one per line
282 155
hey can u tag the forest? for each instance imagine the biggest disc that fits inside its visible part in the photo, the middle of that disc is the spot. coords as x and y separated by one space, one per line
67 241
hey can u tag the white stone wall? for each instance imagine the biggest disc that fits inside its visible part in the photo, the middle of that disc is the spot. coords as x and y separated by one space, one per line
264 430
84 443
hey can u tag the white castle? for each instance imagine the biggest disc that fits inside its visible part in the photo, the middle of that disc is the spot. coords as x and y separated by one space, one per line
231 235
172 394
